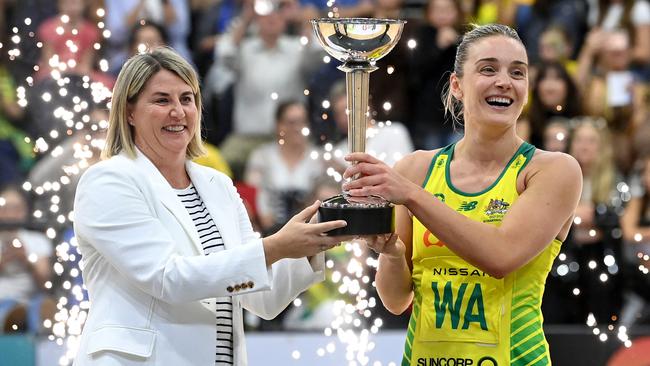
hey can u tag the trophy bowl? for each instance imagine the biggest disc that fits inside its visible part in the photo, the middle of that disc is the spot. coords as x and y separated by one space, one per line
357 39
358 43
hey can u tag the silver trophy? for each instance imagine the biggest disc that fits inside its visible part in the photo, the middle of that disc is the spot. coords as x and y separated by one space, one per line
358 43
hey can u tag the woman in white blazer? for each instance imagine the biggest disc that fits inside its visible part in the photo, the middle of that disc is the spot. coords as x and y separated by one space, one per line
154 287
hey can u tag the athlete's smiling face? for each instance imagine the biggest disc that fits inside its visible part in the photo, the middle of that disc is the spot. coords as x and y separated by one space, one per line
494 85
164 116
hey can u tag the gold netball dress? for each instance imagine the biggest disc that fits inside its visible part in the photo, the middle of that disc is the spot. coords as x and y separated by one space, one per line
461 315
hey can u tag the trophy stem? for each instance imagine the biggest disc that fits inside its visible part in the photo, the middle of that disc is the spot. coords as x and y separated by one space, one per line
357 83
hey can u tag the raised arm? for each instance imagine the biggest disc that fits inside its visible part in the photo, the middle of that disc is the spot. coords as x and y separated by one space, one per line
641 47
543 211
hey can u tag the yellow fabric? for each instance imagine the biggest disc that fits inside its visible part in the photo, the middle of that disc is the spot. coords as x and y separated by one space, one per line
17 137
213 159
487 13
571 67
462 313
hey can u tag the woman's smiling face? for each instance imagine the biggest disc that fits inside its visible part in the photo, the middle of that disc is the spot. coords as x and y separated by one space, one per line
494 85
164 116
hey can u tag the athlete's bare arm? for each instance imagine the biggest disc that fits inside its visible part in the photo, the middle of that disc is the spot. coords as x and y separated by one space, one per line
393 279
544 210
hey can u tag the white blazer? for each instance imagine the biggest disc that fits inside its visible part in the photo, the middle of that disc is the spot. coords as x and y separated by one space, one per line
151 288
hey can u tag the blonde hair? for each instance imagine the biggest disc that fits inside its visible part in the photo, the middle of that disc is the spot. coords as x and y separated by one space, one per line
603 173
132 79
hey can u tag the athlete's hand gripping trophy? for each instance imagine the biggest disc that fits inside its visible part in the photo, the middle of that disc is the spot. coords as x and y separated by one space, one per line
358 43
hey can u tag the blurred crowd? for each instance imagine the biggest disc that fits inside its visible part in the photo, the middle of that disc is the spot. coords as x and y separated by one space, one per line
275 120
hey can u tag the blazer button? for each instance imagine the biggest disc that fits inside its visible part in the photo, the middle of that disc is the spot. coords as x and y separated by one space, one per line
250 284
237 287
230 289
244 286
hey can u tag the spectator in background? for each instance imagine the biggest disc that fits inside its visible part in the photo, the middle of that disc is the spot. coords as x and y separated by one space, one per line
556 135
641 116
631 15
267 68
214 159
433 59
68 59
532 19
38 11
635 224
146 35
16 154
211 20
555 45
554 95
592 238
491 11
122 16
24 267
68 41
282 171
77 153
609 86
298 14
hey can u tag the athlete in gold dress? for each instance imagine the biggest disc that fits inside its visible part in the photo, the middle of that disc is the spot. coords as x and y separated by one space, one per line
479 222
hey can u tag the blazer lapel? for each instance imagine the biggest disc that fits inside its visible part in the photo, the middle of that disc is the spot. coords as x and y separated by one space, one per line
169 199
215 196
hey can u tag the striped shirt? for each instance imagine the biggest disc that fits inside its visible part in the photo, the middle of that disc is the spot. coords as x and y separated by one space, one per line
211 242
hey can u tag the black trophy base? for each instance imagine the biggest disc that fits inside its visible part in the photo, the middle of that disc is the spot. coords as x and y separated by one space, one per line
376 217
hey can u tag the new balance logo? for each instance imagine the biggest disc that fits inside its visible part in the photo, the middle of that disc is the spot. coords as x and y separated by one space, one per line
467 206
